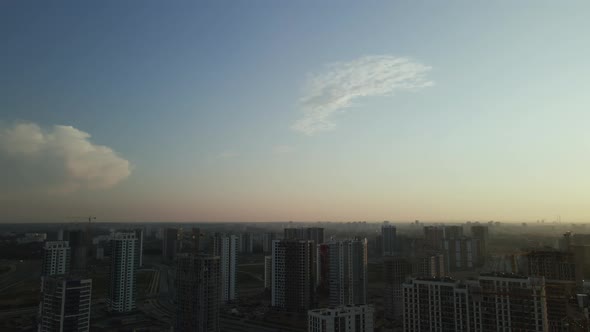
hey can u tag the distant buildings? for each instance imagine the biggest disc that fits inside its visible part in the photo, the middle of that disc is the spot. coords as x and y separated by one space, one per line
357 318
389 238
32 238
315 234
267 239
123 274
246 243
65 304
56 258
198 284
348 282
480 232
453 232
494 302
293 278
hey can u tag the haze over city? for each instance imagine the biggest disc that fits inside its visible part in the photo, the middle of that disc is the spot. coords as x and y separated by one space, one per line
274 111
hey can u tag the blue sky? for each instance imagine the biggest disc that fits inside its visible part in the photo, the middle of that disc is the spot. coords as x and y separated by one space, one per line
197 103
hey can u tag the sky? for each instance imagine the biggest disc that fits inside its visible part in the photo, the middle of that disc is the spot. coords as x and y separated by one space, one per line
302 111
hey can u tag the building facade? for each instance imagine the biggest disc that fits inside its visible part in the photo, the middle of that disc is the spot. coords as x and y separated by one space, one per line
123 274
226 247
495 302
293 275
462 254
56 258
198 285
65 304
315 234
267 272
434 237
169 243
389 238
349 318
348 282
396 271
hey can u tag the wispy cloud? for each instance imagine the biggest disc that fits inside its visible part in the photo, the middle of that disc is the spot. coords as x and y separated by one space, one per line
59 159
342 82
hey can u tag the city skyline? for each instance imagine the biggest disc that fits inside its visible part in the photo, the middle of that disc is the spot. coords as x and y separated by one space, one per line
307 112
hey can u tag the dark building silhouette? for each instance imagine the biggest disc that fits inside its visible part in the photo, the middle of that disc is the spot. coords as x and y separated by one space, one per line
389 240
434 237
198 285
396 271
79 244
293 275
169 243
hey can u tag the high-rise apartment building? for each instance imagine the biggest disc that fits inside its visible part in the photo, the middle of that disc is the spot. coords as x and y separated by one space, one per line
429 265
462 254
480 232
396 271
198 285
495 302
348 272
315 234
582 261
389 238
123 274
65 304
293 277
56 258
453 232
434 237
323 266
169 243
551 264
349 318
189 241
559 271
226 247
79 245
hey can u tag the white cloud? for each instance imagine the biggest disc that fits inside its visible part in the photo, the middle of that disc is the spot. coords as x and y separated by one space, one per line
58 160
342 82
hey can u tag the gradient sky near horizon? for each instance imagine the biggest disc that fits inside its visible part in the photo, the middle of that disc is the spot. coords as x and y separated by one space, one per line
304 111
